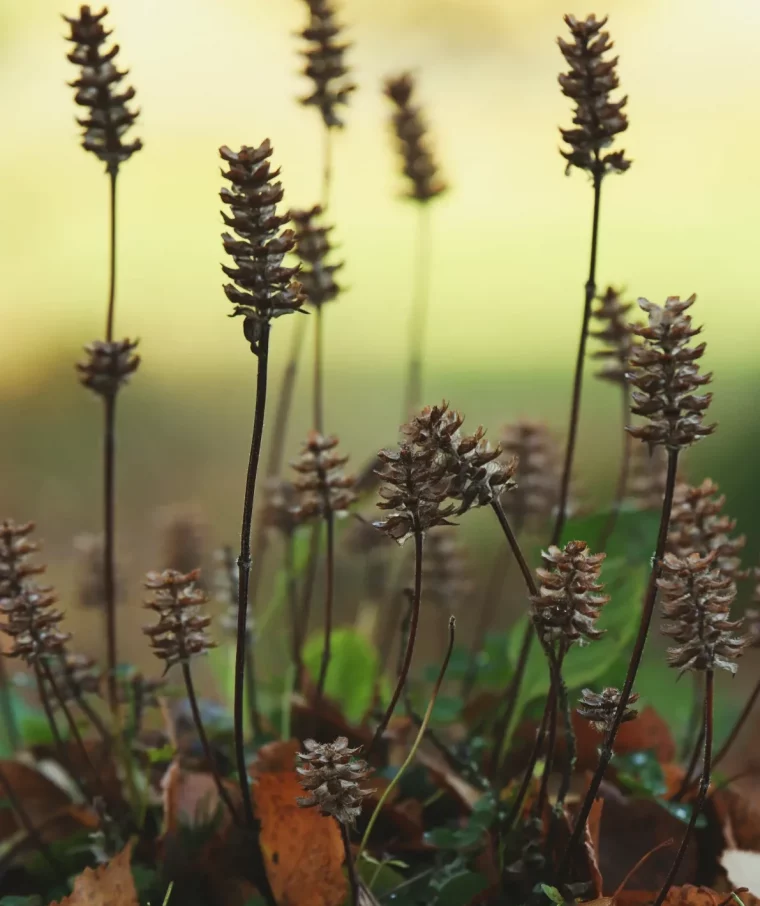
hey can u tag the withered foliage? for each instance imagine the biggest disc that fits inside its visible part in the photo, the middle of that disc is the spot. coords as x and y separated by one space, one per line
599 708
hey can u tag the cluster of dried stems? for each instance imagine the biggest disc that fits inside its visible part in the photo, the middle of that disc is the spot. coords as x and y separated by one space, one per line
279 263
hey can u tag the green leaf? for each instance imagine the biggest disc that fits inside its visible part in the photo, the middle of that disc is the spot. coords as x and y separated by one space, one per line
461 889
352 673
31 900
553 894
447 709
641 773
634 537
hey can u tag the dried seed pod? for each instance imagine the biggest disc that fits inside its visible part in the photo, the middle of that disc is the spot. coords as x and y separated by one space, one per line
698 525
446 575
98 89
599 709
569 601
180 633
280 506
420 166
183 537
597 118
331 777
16 549
91 592
648 477
325 64
696 600
616 334
109 366
262 287
476 474
665 375
414 488
535 492
76 676
323 488
313 248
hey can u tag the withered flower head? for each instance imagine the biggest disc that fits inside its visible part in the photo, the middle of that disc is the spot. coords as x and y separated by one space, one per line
616 334
597 118
665 375
414 488
280 506
696 599
16 549
475 471
698 525
535 491
331 777
98 88
262 287
420 167
599 709
313 247
183 529
446 574
109 365
76 676
569 601
325 65
89 558
648 477
180 633
323 487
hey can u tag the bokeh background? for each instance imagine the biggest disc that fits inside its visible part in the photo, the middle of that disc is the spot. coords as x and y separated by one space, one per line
510 243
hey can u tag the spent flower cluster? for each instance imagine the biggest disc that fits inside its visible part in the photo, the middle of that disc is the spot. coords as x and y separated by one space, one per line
180 633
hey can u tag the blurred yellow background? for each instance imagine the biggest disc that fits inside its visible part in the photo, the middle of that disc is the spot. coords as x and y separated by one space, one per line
511 237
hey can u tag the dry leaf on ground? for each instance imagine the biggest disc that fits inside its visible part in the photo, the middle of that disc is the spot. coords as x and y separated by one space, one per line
108 885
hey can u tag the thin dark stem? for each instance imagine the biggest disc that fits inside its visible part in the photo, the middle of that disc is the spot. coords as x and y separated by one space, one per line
92 715
292 592
109 546
510 699
543 790
221 789
694 726
329 595
737 728
571 749
514 545
647 610
112 258
692 767
244 571
32 832
353 879
622 481
704 785
52 722
413 622
318 389
419 313
7 710
575 408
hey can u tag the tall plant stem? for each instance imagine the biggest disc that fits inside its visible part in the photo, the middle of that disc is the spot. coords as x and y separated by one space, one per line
292 593
514 546
63 756
413 622
692 766
704 785
622 480
329 595
244 570
318 415
419 312
310 576
647 610
7 709
112 255
192 698
353 879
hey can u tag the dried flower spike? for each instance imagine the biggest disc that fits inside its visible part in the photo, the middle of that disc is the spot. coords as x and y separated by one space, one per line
476 474
616 334
535 491
325 65
696 599
597 119
76 676
183 537
180 633
109 117
600 708
665 376
420 166
324 487
262 287
109 366
331 776
16 548
313 247
569 601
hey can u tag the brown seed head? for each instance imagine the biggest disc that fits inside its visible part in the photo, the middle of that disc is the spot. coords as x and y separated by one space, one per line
109 117
16 549
183 531
109 366
76 676
665 375
325 64
323 487
477 474
535 493
420 166
180 633
616 334
280 506
600 708
415 488
313 249
696 599
597 119
569 601
331 777
262 287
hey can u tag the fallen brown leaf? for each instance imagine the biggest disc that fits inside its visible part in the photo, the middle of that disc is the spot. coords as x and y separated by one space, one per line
108 885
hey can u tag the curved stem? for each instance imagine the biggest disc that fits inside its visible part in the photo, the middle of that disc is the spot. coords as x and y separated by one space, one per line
419 313
622 482
413 622
109 546
244 570
63 756
329 595
353 879
704 785
318 389
221 789
514 545
292 591
543 790
650 598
